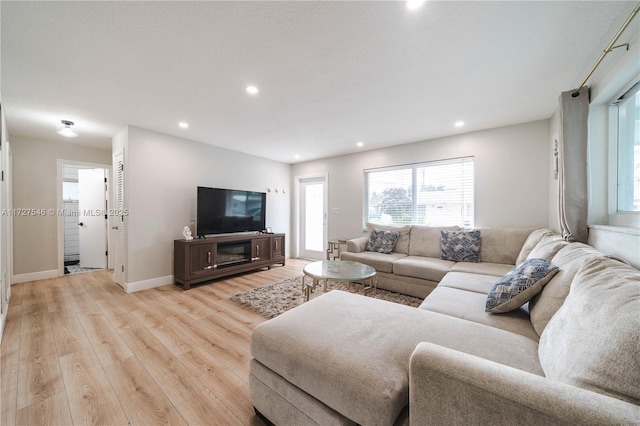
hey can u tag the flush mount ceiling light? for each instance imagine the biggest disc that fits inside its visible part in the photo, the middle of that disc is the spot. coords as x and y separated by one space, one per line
252 90
360 144
459 123
183 124
65 128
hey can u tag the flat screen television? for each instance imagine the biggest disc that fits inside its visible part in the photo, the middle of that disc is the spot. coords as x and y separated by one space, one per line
221 211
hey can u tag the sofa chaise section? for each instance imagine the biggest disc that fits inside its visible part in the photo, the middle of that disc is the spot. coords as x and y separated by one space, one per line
353 356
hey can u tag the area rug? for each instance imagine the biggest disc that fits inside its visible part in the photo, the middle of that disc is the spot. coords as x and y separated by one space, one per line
271 300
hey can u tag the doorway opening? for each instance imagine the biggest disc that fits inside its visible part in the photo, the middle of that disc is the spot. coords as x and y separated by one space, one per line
312 216
83 219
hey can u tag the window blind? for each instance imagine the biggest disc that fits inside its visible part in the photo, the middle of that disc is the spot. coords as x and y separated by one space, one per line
436 193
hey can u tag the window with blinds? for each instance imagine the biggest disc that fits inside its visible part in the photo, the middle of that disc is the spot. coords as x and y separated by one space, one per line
437 193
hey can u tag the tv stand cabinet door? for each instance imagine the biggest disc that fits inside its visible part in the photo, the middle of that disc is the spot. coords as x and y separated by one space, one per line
260 249
201 259
278 247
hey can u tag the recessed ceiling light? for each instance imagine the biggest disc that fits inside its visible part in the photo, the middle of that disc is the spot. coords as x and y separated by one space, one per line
252 90
65 128
360 144
459 123
183 125
414 4
296 156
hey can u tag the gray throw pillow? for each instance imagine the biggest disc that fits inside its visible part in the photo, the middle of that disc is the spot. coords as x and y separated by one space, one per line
460 246
382 241
519 285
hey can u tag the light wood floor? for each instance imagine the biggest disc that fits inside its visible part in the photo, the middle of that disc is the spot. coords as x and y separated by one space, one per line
78 350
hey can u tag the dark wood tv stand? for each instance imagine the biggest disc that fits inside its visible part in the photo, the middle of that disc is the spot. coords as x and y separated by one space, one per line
206 259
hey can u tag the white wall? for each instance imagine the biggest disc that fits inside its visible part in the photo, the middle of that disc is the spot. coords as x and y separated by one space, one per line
511 174
615 74
618 71
162 173
35 171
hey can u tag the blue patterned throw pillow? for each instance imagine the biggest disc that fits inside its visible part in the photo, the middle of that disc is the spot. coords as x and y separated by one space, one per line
519 285
460 246
382 241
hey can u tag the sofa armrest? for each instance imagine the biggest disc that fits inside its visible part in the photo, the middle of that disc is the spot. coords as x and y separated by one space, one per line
450 387
357 245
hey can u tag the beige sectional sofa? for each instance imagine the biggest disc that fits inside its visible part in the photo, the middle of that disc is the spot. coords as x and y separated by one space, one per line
415 268
569 356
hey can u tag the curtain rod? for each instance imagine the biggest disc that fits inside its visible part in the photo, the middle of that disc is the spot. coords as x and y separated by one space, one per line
609 48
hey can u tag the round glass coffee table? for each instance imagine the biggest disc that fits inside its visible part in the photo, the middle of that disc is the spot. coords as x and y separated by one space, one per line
337 270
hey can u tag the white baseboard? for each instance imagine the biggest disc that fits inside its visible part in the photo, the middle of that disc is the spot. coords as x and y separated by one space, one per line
34 276
128 287
147 284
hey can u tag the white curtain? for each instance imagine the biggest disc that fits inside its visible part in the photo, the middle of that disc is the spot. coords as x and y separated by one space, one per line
572 173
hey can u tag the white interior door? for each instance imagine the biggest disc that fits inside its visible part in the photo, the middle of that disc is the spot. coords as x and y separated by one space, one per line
92 218
313 217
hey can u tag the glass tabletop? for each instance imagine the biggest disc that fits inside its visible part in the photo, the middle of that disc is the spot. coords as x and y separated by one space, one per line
346 270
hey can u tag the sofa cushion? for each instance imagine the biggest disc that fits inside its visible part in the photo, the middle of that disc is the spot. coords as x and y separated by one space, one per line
427 268
477 283
469 305
412 286
502 245
378 261
593 340
382 241
362 372
425 240
460 246
544 305
482 268
532 240
519 285
402 245
548 247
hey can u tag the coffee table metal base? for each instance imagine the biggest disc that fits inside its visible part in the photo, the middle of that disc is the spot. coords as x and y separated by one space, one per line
340 271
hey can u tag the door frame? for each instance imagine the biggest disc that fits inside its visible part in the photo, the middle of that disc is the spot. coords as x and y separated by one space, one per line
298 230
60 206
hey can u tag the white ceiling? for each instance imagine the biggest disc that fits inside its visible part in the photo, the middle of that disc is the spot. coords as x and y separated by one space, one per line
330 74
